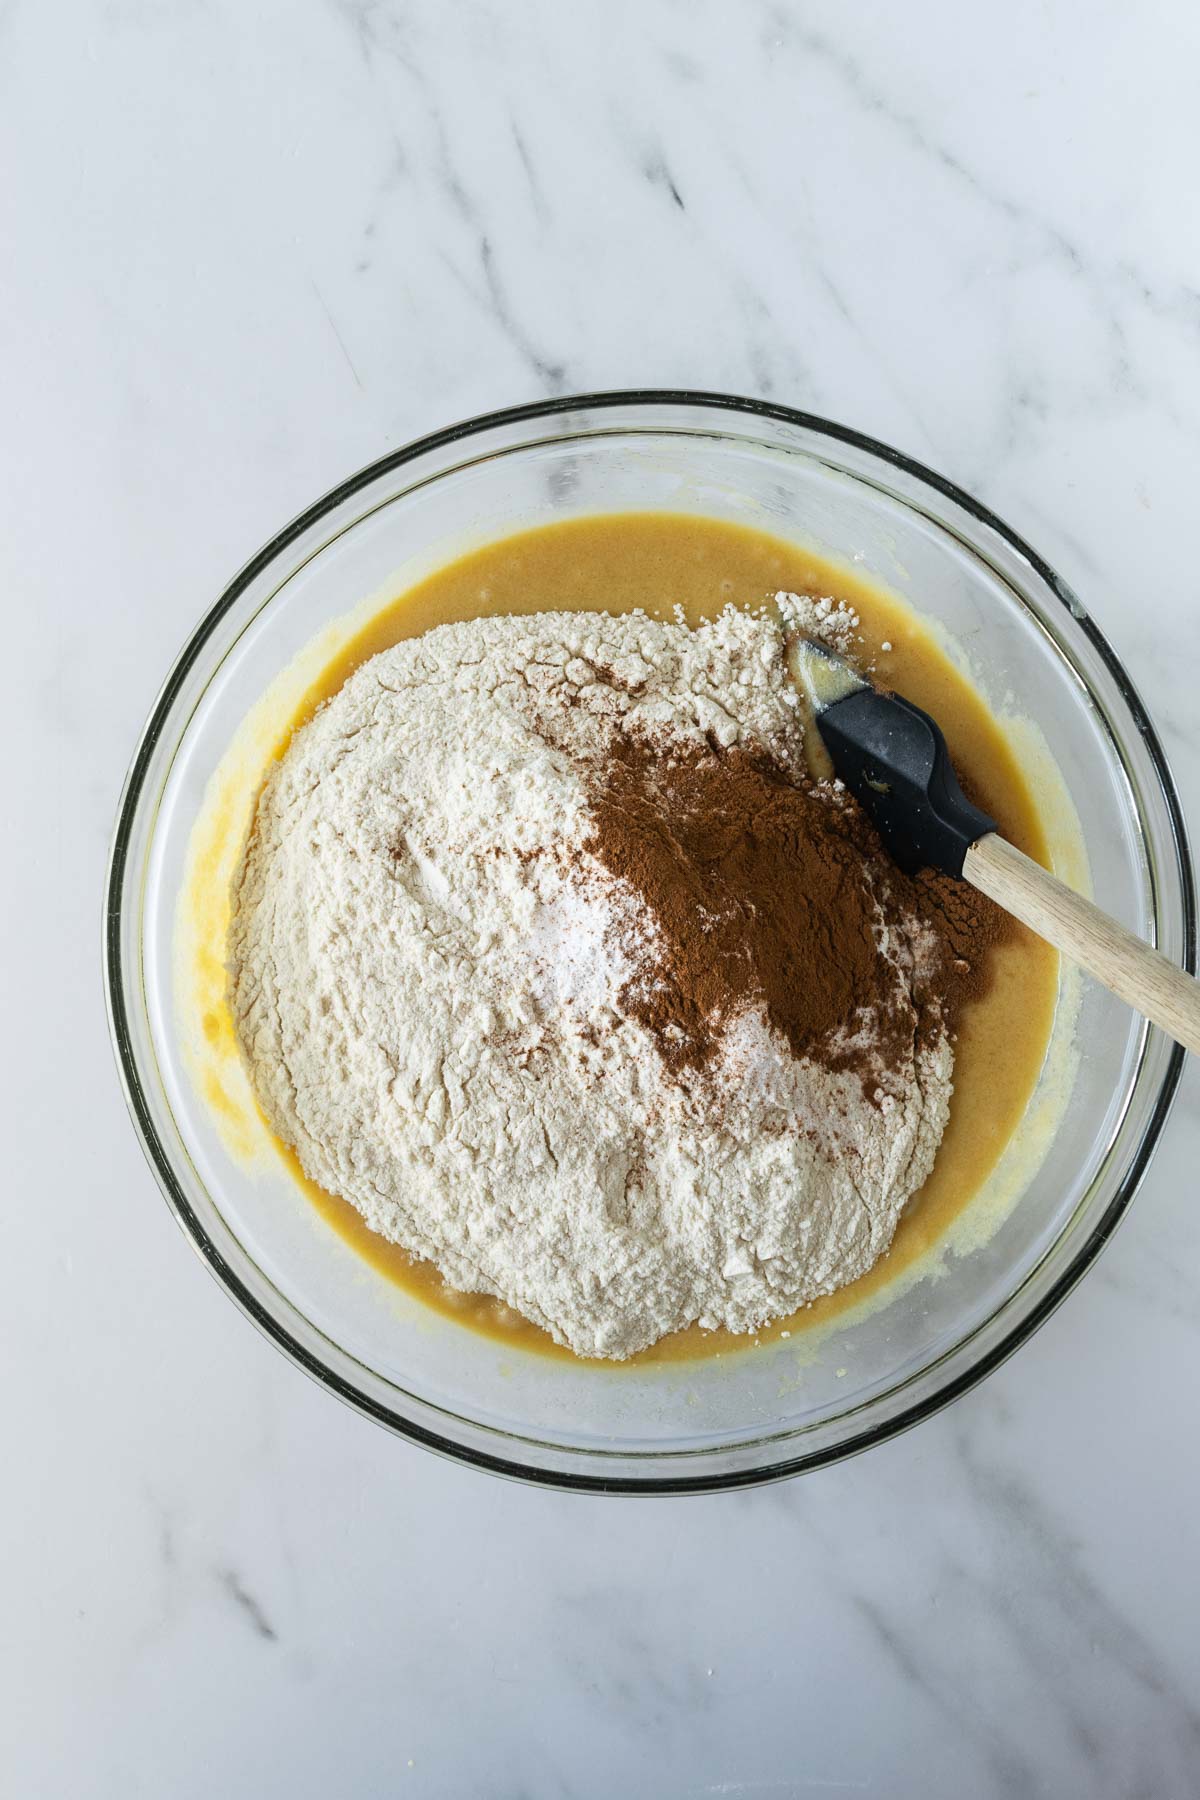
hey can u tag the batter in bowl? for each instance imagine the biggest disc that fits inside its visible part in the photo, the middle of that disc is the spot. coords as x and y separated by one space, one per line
746 1169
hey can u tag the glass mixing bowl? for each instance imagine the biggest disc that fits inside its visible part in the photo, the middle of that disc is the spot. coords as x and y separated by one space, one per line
783 1407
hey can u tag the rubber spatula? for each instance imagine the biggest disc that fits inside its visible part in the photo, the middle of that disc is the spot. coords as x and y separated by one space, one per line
893 758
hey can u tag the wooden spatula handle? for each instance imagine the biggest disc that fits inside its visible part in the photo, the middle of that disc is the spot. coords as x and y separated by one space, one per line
1136 973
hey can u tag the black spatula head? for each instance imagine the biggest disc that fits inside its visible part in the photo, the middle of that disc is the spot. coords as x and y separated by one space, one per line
893 758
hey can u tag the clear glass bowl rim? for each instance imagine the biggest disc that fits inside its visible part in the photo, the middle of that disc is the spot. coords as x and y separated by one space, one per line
160 1162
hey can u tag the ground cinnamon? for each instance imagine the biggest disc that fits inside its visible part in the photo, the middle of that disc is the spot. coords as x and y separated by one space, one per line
764 889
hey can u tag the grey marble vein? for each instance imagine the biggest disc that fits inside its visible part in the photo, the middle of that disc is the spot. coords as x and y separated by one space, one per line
338 338
541 209
1179 304
658 173
246 1604
948 1692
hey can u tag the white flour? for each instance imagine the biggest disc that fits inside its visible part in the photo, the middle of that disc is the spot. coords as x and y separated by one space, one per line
426 971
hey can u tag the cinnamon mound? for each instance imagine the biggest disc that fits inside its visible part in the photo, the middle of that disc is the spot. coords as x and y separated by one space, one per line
770 891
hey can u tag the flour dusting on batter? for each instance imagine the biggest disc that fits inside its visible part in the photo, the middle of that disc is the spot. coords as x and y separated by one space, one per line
505 967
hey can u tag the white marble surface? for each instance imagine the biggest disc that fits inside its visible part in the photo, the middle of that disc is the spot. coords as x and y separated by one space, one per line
248 245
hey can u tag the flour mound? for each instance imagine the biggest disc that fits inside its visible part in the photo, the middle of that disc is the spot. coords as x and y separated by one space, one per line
430 976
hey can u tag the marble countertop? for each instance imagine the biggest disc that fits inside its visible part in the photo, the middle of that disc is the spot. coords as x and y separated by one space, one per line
248 248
